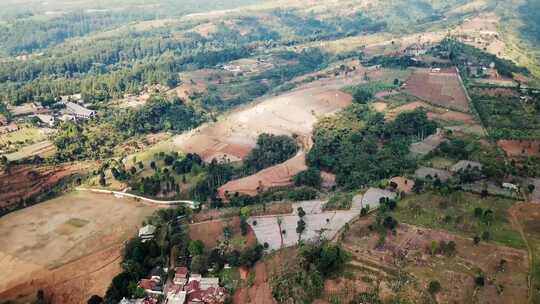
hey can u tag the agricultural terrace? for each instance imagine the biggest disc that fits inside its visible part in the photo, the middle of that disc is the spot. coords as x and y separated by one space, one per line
415 264
506 116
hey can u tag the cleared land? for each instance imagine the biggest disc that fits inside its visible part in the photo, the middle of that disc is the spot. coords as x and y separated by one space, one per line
69 246
26 181
443 88
236 134
279 231
407 257
520 148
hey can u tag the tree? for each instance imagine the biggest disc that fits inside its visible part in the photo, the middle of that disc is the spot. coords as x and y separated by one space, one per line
479 280
300 226
362 95
244 227
434 287
102 181
478 212
476 240
531 188
310 177
301 212
196 247
199 264
95 299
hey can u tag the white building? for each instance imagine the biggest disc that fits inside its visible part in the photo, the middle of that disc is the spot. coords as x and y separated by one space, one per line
147 232
79 111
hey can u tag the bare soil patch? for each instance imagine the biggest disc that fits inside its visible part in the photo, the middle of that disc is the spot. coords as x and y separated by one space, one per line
211 232
69 246
520 148
442 88
261 290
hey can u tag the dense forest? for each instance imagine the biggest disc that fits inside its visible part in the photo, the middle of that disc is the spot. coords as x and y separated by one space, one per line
349 145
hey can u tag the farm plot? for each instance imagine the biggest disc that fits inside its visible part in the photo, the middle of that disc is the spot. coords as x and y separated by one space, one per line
442 88
275 177
279 231
456 213
409 252
506 117
520 148
69 246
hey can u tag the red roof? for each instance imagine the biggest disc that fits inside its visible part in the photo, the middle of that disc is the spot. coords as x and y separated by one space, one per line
181 272
147 284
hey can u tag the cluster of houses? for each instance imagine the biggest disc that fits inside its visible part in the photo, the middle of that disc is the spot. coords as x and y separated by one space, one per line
185 288
66 108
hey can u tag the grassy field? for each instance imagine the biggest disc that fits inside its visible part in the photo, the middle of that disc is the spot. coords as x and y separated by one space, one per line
455 213
24 135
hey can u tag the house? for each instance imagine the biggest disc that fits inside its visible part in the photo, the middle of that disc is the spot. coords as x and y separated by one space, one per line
463 165
196 294
415 50
147 232
79 111
151 286
181 276
374 195
45 119
12 127
510 186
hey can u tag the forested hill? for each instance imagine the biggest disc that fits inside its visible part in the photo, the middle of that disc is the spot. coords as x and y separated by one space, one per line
38 25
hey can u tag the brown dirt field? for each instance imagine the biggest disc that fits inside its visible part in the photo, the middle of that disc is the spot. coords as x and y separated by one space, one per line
25 181
456 274
439 88
261 291
211 232
434 113
275 177
520 148
69 246
234 135
403 184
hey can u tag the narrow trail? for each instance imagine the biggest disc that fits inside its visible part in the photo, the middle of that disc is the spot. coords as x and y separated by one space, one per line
515 222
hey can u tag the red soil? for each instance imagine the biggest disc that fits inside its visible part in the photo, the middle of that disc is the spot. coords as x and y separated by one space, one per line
25 181
440 88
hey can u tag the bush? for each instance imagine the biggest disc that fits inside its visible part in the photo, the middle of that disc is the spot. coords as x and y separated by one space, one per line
434 287
310 177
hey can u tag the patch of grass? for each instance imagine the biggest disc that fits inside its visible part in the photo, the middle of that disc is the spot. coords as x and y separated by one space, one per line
24 135
455 212
440 163
340 201
230 278
398 100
